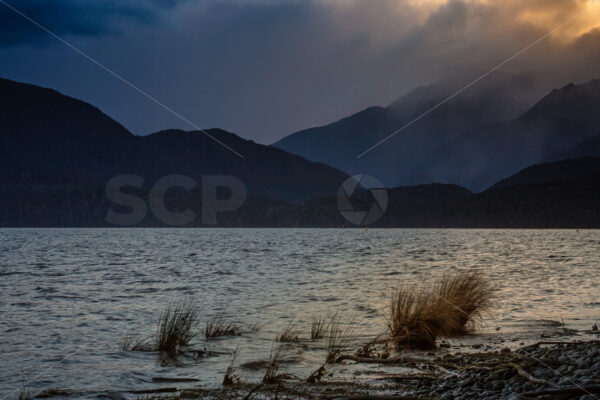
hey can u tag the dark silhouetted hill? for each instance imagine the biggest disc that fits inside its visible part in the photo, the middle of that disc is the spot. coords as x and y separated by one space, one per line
560 171
57 153
49 138
427 194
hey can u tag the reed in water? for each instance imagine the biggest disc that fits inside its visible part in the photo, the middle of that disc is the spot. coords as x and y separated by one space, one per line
178 325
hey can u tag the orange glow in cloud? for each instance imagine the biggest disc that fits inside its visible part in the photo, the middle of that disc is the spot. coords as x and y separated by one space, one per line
389 20
554 15
591 19
543 14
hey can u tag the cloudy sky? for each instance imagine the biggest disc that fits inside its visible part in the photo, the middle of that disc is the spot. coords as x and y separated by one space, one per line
266 68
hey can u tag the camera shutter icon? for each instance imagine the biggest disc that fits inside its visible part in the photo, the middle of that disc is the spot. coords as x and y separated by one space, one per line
377 208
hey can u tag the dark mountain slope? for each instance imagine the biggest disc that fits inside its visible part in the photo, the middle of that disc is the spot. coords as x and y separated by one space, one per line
563 194
265 170
49 138
338 144
56 154
43 131
559 171
569 203
561 120
399 161
587 148
427 194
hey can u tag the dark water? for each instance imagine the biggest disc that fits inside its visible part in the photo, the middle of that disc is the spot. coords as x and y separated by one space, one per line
68 296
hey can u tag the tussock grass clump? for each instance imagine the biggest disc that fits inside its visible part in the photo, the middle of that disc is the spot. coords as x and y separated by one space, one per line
289 335
219 326
340 337
318 327
273 373
178 325
470 294
418 318
449 308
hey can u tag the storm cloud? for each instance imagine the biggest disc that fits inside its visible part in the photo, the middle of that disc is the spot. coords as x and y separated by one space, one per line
74 17
265 68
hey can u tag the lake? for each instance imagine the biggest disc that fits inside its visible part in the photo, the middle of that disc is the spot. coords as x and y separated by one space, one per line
70 296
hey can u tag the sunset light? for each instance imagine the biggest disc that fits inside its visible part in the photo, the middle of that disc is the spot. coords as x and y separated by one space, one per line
300 199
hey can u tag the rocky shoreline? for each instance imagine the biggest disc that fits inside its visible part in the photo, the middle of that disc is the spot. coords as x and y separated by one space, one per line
541 371
544 370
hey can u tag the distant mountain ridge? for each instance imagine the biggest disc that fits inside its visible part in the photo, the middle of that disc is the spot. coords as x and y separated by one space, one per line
400 160
428 194
470 141
587 168
562 120
57 153
563 194
51 138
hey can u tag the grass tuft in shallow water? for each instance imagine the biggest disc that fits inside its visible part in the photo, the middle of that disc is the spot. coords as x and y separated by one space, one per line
274 373
289 335
178 325
470 294
130 342
231 376
318 327
419 316
219 326
340 337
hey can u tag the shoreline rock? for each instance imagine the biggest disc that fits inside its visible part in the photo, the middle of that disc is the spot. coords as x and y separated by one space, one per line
545 370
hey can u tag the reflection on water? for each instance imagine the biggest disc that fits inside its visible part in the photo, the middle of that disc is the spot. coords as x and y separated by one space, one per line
72 294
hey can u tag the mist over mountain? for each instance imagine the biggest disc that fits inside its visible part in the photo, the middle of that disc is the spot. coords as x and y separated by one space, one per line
563 119
474 140
399 161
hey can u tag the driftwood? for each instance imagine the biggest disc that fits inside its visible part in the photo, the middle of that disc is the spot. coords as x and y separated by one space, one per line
317 375
163 380
384 361
565 393
526 359
554 342
407 377
527 376
48 393
204 353
372 397
396 361
153 391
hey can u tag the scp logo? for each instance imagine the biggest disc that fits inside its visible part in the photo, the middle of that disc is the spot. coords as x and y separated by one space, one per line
211 205
376 209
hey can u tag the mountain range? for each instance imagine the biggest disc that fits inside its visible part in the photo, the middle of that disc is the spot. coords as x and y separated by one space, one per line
58 153
51 138
474 139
